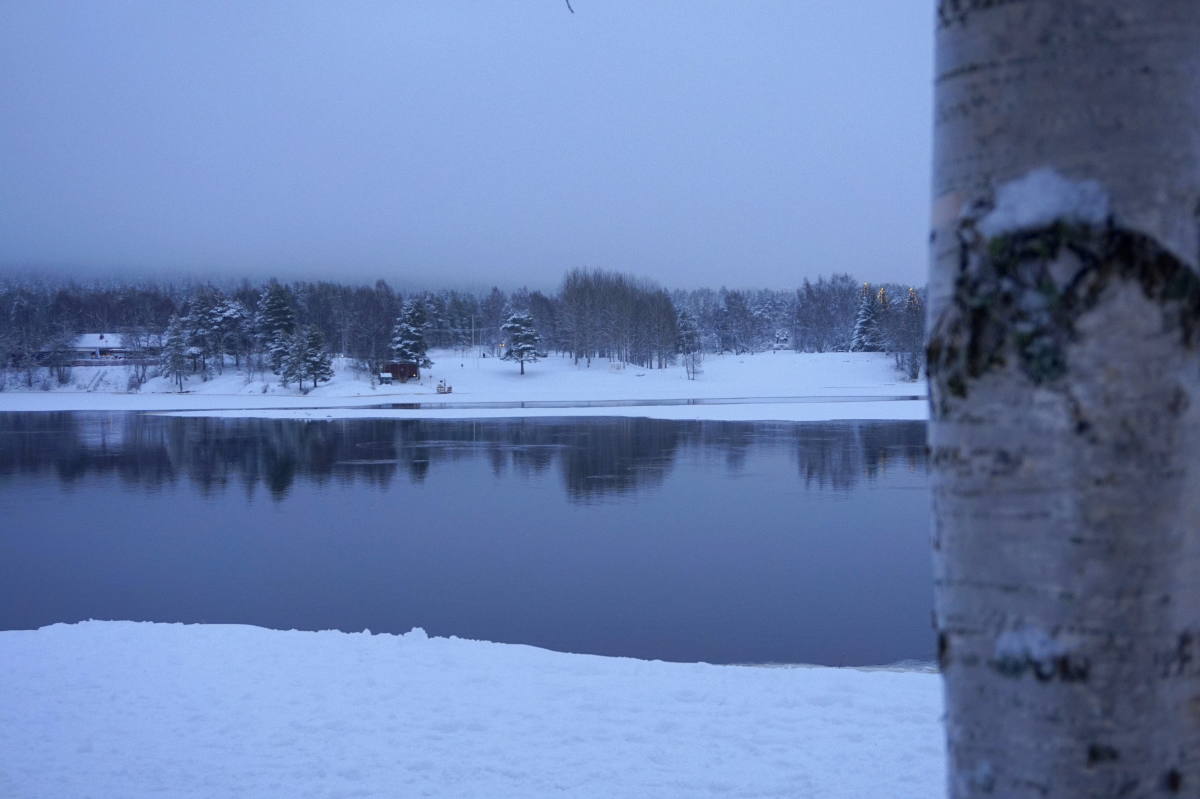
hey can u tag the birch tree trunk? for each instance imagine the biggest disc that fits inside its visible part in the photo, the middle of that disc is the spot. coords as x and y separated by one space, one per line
1065 391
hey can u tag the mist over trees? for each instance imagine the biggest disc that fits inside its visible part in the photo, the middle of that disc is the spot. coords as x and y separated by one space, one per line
594 314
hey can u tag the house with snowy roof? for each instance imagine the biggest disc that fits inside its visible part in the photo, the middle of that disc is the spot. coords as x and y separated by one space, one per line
99 345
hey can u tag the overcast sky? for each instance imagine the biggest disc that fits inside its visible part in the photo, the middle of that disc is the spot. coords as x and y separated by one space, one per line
745 142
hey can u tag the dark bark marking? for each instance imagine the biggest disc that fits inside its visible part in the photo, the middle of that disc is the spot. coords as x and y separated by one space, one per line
1178 661
1081 424
1101 753
1012 302
951 12
1179 402
1005 463
943 651
964 70
1062 668
1173 781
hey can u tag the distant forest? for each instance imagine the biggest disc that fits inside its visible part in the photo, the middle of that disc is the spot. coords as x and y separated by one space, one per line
593 314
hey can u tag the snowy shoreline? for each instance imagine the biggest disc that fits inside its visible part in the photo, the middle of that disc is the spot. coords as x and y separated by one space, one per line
904 410
782 386
134 709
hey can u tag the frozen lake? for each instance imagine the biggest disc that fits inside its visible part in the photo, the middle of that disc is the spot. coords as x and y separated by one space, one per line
698 540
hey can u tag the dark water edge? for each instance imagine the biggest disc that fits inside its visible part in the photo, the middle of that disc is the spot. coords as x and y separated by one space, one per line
693 540
646 403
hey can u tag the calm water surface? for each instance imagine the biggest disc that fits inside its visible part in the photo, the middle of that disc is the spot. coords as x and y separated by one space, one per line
716 541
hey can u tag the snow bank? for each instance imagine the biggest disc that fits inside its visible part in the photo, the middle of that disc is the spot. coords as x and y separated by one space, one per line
1041 197
485 380
126 709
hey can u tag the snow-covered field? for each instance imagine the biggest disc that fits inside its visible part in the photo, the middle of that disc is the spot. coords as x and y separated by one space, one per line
121 709
826 380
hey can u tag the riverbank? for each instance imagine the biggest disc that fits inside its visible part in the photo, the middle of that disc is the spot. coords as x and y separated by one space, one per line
807 387
134 709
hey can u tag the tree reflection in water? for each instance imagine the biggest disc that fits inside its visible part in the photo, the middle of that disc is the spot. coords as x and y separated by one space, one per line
597 457
717 541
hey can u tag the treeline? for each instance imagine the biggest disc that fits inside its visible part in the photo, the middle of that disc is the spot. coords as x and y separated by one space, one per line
593 314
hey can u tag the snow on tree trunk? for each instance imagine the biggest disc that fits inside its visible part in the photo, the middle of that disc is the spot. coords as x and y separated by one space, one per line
1064 301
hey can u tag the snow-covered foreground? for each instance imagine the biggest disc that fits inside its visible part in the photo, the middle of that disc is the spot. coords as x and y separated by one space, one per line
488 380
107 709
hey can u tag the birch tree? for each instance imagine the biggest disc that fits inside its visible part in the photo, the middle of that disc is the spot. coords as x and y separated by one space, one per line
689 344
1065 442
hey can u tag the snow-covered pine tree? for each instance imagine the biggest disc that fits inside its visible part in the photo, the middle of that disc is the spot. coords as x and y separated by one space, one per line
199 326
437 323
522 340
408 336
689 344
317 365
291 360
230 323
276 323
866 323
174 357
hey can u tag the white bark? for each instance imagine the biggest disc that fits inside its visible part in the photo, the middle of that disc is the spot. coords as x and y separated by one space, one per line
1065 386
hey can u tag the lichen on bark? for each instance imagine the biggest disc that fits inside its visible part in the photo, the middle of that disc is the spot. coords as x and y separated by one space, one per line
1018 297
950 12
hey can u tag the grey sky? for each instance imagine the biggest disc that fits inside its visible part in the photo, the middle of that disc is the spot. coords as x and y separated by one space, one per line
698 143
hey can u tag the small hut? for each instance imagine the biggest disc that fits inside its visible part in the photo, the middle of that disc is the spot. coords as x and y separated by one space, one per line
401 371
99 346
